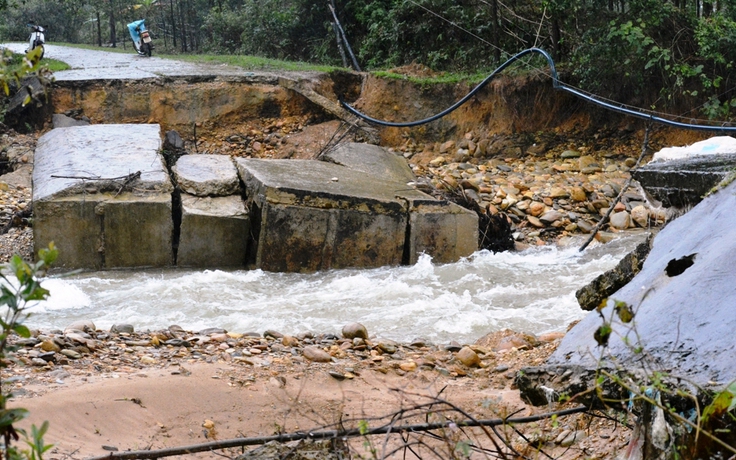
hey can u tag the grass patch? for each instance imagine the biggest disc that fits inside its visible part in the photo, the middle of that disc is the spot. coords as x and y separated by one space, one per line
252 62
439 79
55 65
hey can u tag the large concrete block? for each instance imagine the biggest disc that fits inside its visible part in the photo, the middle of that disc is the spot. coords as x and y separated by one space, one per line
214 232
74 227
102 194
312 215
441 229
371 159
207 175
138 230
307 239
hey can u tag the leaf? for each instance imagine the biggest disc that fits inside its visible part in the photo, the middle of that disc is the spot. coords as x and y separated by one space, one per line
624 312
10 416
22 330
720 404
602 334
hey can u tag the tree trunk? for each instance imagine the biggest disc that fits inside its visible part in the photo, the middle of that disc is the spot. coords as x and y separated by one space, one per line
113 37
183 28
173 23
495 33
99 30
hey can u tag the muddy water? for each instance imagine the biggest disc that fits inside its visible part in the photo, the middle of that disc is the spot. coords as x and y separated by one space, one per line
530 291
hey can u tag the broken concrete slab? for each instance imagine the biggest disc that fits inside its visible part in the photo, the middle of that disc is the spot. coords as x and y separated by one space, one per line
442 229
312 215
207 175
682 304
371 159
137 230
214 232
103 195
680 177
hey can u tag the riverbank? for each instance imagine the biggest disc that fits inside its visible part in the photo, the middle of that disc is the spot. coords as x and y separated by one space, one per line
104 391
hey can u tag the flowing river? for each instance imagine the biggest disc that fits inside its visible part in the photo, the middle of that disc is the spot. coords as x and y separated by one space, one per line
530 291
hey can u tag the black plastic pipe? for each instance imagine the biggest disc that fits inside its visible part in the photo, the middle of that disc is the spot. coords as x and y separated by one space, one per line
556 84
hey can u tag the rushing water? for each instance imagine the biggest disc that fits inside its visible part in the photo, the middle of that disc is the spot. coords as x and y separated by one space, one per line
531 291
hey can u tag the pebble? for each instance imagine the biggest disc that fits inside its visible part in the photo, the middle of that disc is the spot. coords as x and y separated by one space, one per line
317 355
468 357
354 330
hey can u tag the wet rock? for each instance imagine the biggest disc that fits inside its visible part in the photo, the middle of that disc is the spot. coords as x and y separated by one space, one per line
173 141
620 220
124 328
681 176
590 296
83 325
468 357
355 330
316 354
640 215
289 341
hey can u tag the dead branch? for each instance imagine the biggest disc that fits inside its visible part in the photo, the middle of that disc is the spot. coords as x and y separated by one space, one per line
126 178
331 434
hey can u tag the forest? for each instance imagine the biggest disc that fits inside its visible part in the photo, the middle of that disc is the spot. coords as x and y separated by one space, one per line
661 55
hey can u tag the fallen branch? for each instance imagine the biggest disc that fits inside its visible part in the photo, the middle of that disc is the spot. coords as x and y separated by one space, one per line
330 434
126 178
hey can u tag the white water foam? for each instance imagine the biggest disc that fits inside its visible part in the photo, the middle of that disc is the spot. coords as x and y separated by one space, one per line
531 291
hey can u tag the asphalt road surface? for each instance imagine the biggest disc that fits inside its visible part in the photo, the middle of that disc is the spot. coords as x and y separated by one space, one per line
105 65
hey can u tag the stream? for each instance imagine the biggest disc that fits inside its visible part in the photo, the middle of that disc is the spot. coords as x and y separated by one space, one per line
531 291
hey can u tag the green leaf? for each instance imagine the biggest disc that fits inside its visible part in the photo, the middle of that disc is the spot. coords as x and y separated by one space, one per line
602 334
624 312
10 416
22 330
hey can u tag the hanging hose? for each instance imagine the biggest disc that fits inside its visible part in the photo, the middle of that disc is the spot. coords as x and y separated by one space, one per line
556 84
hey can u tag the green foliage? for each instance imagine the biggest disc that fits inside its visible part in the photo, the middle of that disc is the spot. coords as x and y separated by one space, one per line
13 67
20 285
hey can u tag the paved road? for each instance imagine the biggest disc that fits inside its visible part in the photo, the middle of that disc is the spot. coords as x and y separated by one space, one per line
104 65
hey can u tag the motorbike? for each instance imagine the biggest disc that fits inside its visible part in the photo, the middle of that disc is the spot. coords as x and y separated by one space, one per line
141 37
37 39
